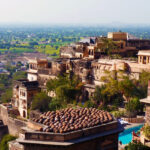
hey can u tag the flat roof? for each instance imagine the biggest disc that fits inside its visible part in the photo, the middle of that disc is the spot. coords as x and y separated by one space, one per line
75 141
144 52
145 100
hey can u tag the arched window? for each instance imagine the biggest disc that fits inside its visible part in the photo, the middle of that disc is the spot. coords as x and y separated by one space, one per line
89 52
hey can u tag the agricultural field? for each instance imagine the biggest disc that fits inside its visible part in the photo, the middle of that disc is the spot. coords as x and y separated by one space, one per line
49 40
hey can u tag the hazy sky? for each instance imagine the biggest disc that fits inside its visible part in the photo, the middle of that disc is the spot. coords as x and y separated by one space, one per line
75 11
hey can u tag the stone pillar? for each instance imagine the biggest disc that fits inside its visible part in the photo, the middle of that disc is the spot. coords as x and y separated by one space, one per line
142 59
147 59
139 59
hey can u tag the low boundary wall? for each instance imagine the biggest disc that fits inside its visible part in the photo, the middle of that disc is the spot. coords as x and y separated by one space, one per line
134 120
14 125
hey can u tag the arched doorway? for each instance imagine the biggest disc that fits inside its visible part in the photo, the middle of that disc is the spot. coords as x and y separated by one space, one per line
24 114
86 95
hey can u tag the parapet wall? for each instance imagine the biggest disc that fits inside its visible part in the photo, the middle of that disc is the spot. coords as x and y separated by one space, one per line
61 137
134 120
14 125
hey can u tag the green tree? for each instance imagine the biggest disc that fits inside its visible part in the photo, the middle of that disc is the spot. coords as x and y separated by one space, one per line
11 69
55 104
147 131
144 78
99 95
41 102
19 75
119 83
2 87
67 88
128 88
136 146
143 83
4 79
133 107
32 44
6 96
5 140
108 46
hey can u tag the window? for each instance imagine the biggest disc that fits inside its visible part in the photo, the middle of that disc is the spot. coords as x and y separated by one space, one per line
22 93
121 45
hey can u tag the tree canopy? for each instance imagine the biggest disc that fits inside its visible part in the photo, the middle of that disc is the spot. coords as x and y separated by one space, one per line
119 86
41 102
67 89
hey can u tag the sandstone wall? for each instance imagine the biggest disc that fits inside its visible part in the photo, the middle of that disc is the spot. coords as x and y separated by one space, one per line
14 125
134 120
109 142
44 136
13 145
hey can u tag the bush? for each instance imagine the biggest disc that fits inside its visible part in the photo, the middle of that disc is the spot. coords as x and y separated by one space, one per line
136 146
88 104
118 114
147 131
54 105
5 140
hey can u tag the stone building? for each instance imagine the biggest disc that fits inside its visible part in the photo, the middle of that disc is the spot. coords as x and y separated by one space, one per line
42 70
67 52
34 65
118 36
103 136
144 57
126 45
85 62
88 70
39 72
23 92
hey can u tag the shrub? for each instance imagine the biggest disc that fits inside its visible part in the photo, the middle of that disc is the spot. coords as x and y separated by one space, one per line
146 131
88 104
118 114
5 140
54 105
136 146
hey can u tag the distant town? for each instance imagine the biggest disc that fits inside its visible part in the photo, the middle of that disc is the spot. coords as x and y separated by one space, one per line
75 92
